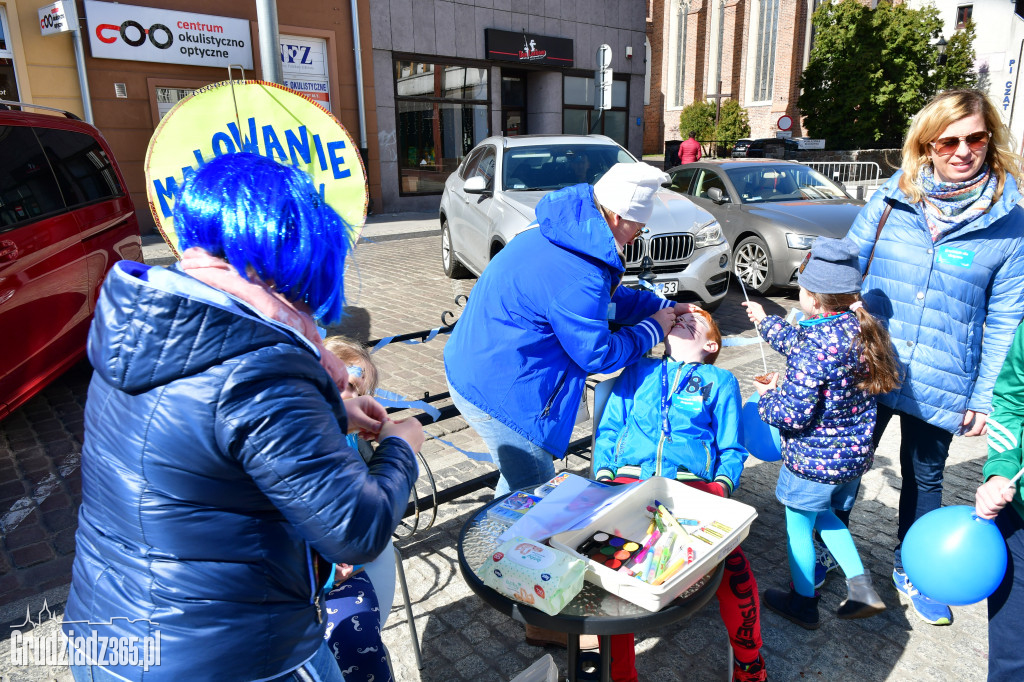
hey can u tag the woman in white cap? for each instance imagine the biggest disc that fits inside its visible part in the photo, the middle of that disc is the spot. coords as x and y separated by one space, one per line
537 322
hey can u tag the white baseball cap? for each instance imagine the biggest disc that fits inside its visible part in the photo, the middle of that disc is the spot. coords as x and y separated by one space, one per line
627 189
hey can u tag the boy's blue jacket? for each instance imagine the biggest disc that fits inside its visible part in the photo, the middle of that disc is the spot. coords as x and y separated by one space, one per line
704 423
214 463
537 321
951 306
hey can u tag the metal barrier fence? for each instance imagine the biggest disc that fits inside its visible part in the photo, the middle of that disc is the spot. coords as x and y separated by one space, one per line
848 172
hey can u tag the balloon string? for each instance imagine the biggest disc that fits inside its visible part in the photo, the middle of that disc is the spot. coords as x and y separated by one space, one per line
1014 480
743 288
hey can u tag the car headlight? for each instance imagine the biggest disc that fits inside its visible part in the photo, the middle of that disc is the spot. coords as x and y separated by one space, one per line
709 234
800 241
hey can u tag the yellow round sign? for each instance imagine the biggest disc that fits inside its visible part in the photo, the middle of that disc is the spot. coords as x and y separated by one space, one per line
260 117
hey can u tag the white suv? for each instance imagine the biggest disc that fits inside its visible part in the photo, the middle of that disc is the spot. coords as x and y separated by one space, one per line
492 196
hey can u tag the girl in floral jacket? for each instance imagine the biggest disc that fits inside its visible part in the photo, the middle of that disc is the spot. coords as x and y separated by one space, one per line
837 361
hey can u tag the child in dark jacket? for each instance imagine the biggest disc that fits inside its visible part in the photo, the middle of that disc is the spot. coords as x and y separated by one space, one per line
679 417
837 361
359 598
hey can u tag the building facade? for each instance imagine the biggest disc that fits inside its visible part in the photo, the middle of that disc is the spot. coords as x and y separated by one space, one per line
450 73
33 67
142 59
998 48
752 51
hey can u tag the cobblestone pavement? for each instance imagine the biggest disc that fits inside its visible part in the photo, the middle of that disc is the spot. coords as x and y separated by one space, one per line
395 285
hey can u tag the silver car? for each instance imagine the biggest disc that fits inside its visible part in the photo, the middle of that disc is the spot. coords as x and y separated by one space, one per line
770 212
492 197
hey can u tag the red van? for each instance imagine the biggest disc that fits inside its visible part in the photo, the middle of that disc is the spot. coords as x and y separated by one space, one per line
65 219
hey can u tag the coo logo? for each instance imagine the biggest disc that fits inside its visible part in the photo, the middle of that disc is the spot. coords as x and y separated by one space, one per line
134 34
53 20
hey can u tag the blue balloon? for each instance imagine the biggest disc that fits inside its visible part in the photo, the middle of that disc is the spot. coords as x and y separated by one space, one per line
953 556
760 439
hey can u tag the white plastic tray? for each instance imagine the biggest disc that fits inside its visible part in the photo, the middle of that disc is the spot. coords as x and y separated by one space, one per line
628 518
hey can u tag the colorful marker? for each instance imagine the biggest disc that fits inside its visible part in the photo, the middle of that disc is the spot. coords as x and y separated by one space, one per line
674 568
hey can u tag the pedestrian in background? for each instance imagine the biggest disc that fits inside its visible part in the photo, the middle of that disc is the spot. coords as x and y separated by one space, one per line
942 253
689 150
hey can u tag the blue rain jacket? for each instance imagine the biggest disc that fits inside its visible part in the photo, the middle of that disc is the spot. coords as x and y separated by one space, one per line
951 306
703 441
537 321
214 464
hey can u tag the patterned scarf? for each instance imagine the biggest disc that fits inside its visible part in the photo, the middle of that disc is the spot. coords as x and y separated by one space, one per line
951 205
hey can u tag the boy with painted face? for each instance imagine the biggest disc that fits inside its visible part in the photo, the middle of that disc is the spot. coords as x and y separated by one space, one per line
679 417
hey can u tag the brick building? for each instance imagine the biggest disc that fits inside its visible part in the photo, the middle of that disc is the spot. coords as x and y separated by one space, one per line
751 50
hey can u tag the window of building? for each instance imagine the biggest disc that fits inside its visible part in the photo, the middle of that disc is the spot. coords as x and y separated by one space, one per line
647 72
717 30
442 112
166 98
579 117
677 68
963 15
8 80
764 58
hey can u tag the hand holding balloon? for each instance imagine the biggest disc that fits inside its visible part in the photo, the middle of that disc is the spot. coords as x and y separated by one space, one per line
992 496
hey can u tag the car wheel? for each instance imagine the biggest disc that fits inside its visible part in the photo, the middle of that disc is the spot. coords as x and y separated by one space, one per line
452 267
753 263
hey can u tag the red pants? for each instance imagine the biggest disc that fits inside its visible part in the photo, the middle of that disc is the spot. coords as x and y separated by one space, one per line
737 602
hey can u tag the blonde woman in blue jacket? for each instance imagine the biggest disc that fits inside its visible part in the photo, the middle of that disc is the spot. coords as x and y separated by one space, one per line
945 274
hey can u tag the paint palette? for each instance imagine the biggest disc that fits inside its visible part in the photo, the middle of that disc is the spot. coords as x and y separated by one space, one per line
609 550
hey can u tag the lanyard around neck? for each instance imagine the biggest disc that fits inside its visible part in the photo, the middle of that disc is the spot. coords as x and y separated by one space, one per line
666 394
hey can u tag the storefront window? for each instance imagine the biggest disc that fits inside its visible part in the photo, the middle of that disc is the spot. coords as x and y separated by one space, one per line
442 112
578 115
8 82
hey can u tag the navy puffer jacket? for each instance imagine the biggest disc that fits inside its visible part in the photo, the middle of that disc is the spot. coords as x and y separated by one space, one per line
951 306
214 463
825 420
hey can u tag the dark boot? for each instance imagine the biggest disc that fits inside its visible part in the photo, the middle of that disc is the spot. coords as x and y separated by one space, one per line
793 606
861 600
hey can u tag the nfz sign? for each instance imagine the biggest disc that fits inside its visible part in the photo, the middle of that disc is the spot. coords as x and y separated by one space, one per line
57 18
304 67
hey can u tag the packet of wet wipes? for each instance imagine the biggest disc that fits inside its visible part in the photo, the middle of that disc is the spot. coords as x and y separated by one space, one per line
533 574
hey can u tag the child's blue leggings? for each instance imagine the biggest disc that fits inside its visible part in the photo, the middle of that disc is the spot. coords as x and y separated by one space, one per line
800 526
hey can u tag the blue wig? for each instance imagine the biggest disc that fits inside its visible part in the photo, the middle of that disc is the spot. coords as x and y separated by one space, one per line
255 212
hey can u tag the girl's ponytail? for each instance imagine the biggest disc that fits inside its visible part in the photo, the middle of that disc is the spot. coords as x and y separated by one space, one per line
882 371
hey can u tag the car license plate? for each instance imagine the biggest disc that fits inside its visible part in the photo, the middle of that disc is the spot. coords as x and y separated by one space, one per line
666 288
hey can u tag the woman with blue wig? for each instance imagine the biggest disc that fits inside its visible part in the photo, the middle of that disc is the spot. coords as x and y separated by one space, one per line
215 468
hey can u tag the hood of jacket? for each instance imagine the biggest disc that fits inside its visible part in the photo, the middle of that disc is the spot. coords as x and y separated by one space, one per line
569 218
132 348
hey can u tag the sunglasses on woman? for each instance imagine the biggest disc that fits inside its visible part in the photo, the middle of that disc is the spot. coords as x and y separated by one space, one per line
947 146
